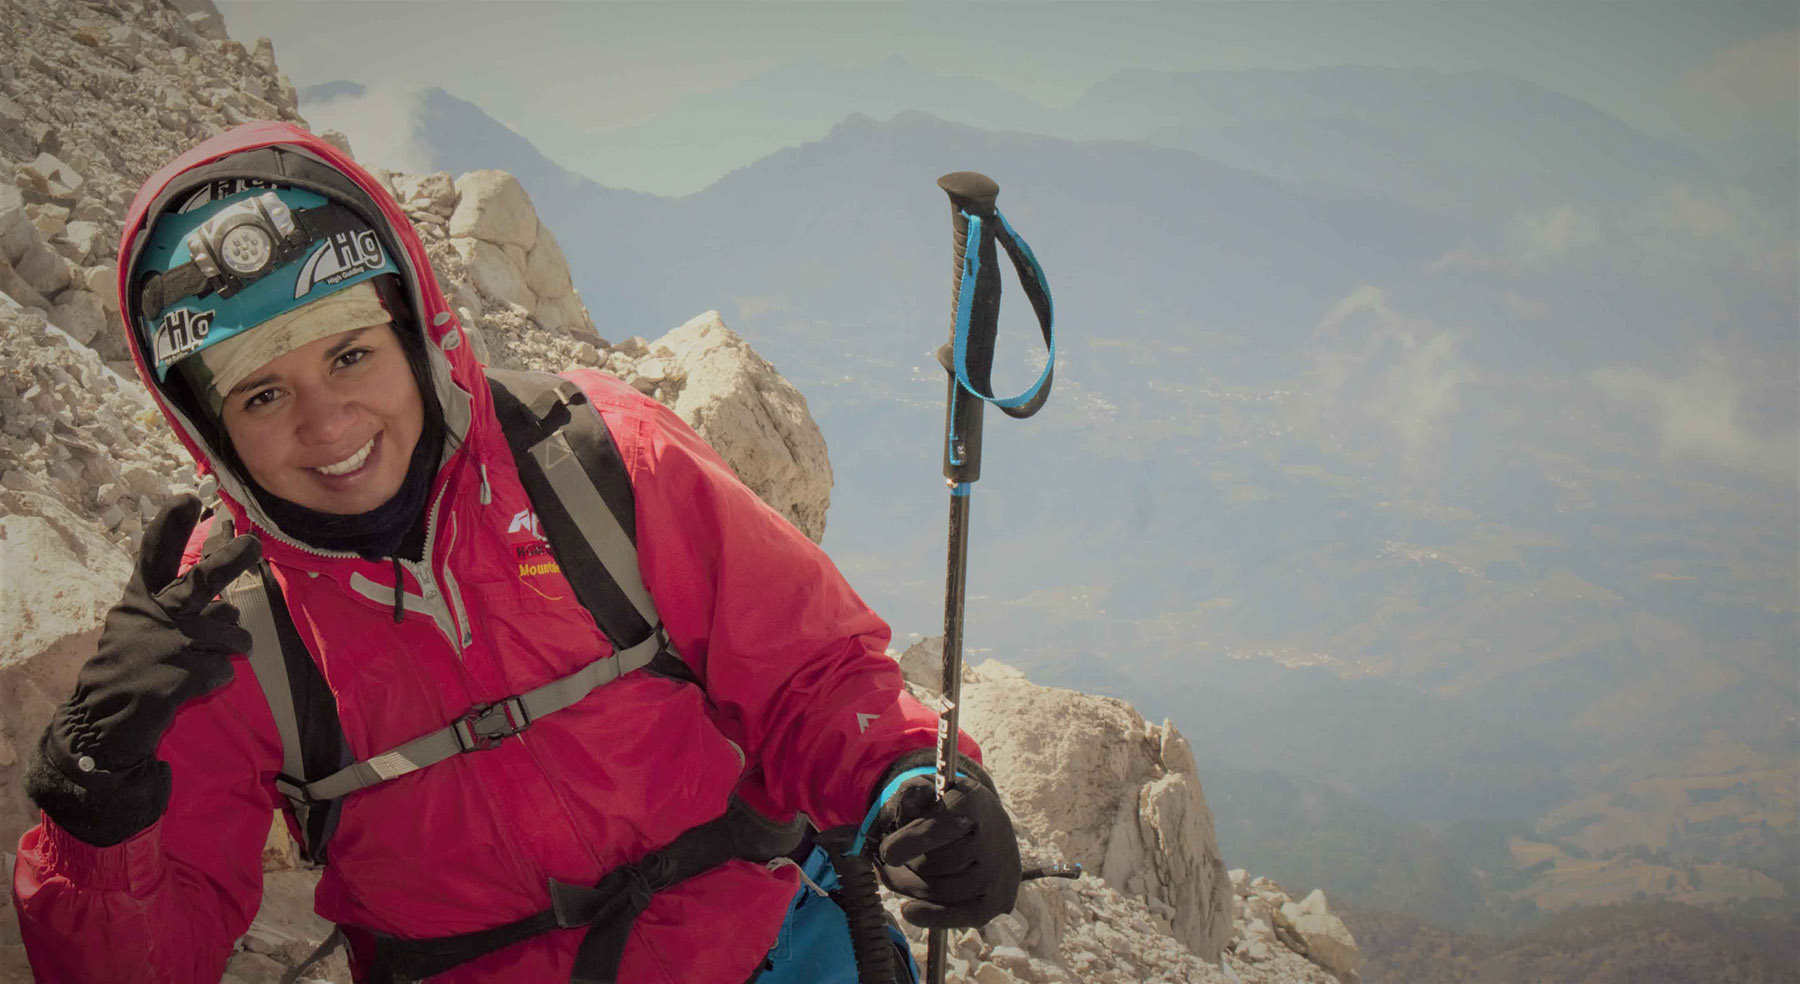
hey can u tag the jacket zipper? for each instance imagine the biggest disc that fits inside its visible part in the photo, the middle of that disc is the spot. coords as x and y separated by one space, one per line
432 597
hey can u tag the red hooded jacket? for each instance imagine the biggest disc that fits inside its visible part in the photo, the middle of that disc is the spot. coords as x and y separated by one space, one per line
802 711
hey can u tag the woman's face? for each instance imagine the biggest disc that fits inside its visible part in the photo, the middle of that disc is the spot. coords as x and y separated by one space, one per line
332 424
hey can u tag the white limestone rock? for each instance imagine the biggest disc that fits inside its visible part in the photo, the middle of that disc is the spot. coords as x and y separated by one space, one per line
69 427
1091 929
338 139
493 272
12 212
1329 943
546 269
61 576
203 17
19 289
49 219
18 237
44 269
286 932
1089 776
49 175
493 206
12 206
922 665
82 314
435 193
103 281
565 314
85 240
757 420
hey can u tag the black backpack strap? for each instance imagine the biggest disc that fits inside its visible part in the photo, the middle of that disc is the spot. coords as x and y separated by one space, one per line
608 908
572 470
305 712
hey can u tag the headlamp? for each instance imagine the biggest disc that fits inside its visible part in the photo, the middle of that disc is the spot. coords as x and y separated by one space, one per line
238 257
244 241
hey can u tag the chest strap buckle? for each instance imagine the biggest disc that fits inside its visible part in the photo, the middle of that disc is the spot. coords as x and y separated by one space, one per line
486 725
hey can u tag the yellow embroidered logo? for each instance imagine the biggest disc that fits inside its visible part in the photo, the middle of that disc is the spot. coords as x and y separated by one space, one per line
548 567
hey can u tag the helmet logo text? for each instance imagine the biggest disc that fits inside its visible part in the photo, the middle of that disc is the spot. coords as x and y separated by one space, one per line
219 190
180 332
337 259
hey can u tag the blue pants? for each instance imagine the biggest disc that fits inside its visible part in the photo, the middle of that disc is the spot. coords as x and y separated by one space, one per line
814 945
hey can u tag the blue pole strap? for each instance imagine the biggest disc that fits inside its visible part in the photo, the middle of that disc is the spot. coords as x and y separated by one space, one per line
1037 274
957 458
893 786
1038 285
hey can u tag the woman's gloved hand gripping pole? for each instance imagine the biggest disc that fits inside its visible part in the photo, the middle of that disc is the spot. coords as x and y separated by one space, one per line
957 857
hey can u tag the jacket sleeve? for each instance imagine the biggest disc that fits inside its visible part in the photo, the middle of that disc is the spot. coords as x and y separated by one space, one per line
795 662
167 904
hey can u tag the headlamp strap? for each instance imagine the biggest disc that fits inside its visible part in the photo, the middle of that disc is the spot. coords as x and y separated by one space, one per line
161 290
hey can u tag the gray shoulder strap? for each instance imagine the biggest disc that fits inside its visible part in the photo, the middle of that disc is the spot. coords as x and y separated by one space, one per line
269 658
578 484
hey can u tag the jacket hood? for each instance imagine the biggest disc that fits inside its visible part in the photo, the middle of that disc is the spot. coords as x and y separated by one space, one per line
286 154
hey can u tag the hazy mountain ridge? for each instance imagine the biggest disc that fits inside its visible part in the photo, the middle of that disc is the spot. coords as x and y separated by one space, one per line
787 105
1337 129
1468 138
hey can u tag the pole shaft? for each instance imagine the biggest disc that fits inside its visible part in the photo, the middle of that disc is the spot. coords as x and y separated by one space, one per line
955 579
971 196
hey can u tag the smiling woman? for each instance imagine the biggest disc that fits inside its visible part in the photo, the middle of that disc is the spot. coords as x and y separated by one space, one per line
330 425
288 322
407 606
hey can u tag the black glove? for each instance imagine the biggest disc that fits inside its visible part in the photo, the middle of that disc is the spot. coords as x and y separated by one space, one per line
166 642
958 857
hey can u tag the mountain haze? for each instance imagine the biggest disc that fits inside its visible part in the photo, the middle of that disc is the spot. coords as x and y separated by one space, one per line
782 107
1451 142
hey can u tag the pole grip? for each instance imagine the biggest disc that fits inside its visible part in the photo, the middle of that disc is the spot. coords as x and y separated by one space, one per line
972 196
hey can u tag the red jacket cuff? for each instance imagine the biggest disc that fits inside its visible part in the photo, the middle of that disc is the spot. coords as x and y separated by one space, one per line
134 865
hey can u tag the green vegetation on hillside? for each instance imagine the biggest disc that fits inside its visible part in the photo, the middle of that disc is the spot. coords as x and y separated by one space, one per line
1658 943
1476 875
1306 835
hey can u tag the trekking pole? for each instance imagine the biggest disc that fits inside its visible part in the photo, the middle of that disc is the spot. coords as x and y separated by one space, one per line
969 359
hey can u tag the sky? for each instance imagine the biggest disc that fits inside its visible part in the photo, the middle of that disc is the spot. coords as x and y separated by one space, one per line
556 71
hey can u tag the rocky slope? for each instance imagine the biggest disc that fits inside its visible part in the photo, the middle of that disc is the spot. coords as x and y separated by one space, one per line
93 97
1089 782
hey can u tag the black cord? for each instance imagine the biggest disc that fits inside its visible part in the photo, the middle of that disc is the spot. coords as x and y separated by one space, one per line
860 892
